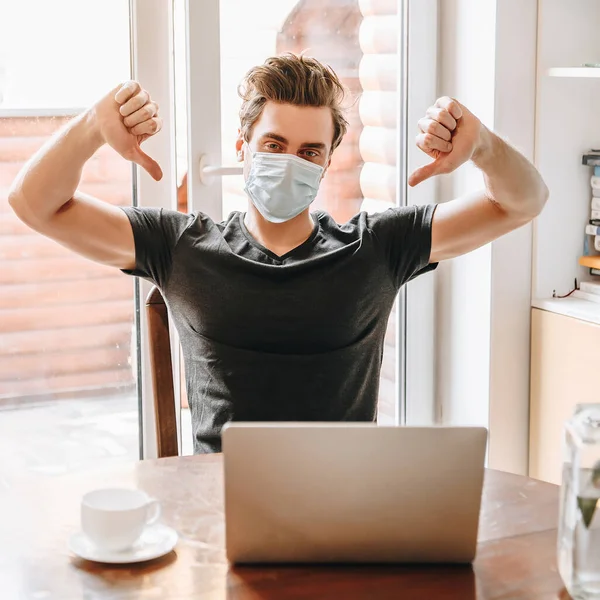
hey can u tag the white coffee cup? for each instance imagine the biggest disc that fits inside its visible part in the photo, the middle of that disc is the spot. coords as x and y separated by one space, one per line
114 519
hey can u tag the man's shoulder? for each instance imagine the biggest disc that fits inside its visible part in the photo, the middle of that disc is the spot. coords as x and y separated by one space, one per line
177 226
196 221
385 221
355 225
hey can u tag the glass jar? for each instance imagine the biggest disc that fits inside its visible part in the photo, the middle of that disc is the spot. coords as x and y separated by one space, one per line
579 526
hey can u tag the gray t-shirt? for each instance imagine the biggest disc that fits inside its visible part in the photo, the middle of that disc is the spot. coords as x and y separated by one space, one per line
297 337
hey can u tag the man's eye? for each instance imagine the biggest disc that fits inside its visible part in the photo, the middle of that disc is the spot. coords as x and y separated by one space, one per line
311 154
273 146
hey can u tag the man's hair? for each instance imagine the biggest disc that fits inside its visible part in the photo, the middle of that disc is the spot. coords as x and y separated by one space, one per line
291 79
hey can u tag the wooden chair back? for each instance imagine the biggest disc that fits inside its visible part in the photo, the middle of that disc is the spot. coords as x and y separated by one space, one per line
161 365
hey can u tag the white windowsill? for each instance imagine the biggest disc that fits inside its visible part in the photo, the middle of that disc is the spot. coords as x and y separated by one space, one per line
576 308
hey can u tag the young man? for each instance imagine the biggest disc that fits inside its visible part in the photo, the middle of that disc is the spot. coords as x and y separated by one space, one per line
281 313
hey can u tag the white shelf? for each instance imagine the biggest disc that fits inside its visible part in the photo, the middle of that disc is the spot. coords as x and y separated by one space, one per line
574 72
576 308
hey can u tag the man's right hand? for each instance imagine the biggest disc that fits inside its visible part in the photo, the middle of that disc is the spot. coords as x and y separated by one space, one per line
126 117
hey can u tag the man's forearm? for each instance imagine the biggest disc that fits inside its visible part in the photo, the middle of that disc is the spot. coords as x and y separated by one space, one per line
50 178
512 182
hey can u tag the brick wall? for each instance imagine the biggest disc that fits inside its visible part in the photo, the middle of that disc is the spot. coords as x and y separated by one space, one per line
65 322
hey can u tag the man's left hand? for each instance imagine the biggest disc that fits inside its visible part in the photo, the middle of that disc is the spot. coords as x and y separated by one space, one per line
449 133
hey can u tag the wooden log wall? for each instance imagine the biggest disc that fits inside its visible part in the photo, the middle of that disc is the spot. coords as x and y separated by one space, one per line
379 102
65 322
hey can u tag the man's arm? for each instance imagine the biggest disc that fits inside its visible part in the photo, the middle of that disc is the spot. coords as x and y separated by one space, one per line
515 192
44 194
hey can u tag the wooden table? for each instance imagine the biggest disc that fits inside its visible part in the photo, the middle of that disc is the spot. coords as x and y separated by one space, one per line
515 560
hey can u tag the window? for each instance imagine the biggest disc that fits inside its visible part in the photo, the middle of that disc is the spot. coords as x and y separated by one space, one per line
67 337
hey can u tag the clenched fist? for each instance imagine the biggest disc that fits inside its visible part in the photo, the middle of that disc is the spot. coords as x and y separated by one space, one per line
126 117
450 134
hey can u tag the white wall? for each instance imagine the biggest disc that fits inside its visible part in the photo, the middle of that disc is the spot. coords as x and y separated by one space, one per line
568 124
488 59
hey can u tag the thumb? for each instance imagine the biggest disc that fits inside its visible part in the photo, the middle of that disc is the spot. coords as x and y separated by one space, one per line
148 164
422 173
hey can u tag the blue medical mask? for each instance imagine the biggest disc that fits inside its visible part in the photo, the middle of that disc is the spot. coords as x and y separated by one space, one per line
281 186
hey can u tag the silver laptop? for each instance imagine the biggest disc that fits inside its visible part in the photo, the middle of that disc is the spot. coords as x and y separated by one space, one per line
313 493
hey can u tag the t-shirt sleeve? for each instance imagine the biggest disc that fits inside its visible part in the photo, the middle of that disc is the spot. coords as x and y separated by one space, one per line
156 233
404 237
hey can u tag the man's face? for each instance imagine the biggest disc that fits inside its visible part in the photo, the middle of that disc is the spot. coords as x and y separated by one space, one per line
305 131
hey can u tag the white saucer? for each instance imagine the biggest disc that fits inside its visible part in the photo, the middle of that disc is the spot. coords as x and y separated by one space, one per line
156 541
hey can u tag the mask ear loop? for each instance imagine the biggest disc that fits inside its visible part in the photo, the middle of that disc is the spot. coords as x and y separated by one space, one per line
248 149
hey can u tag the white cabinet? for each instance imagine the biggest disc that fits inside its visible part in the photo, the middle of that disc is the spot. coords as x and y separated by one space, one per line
565 364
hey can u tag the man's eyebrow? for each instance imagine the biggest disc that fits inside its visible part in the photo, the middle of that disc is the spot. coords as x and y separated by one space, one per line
315 145
279 138
274 136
